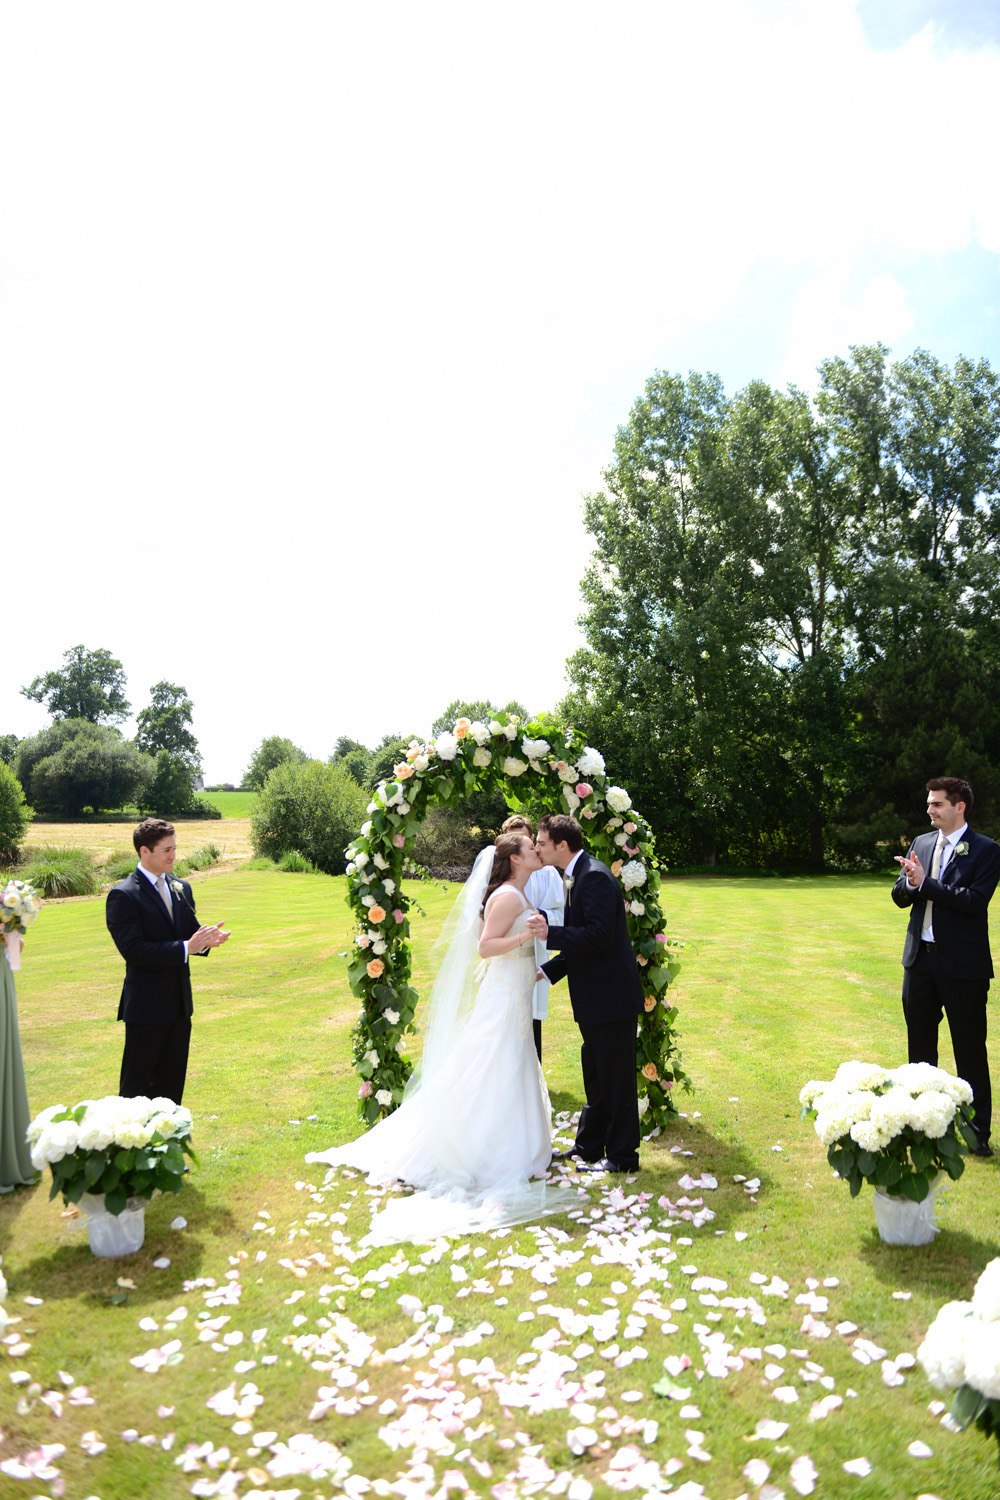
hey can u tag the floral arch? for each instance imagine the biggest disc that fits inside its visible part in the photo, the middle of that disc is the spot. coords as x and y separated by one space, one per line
502 757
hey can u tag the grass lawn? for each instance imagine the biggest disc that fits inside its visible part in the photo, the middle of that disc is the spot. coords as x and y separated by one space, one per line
105 839
511 1351
232 804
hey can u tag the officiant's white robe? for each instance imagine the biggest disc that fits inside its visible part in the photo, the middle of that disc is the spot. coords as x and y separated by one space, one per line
546 892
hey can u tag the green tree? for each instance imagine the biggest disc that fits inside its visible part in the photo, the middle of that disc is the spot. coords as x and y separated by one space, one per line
309 807
355 758
90 685
271 752
74 764
164 725
15 815
8 748
480 709
170 790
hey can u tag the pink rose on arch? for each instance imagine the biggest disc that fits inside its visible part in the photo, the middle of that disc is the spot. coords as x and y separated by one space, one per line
661 937
630 827
398 915
584 789
398 840
631 850
588 812
365 1091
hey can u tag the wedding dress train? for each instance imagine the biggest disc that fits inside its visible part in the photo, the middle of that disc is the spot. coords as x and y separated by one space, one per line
475 1125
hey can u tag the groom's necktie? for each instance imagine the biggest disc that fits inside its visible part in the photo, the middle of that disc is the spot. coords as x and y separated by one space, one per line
935 872
161 886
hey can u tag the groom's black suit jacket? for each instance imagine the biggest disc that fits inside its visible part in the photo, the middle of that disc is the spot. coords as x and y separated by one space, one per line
961 898
157 984
594 951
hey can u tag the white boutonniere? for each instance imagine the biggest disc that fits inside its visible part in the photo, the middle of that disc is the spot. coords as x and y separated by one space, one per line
177 888
962 848
568 882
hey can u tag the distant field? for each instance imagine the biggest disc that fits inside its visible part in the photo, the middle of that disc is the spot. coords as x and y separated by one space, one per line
232 804
232 834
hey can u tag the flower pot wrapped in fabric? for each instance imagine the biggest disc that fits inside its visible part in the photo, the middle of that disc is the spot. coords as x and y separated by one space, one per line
902 1130
118 1150
114 1234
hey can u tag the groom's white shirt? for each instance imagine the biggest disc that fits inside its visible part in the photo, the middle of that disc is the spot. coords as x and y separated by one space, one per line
545 890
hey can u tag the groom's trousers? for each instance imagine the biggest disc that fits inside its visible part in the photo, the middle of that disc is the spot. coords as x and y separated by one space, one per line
926 993
609 1121
154 1062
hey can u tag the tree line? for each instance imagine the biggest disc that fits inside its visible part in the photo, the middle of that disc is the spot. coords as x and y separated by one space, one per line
792 617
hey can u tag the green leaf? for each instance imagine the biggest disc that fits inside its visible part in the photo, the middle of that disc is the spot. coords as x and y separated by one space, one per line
922 1154
670 1388
93 1169
124 1160
115 1201
967 1405
915 1187
867 1162
855 1184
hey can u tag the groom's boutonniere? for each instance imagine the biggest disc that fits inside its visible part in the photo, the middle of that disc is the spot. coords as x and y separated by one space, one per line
962 848
177 888
568 882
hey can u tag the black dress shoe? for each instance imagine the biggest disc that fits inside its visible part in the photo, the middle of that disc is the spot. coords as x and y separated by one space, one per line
565 1155
606 1165
983 1149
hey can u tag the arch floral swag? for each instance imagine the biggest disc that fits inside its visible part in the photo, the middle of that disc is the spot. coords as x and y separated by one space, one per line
510 759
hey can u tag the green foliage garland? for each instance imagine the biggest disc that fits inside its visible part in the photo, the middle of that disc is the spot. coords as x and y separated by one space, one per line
506 758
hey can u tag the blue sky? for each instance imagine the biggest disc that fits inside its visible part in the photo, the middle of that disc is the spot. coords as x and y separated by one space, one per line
316 322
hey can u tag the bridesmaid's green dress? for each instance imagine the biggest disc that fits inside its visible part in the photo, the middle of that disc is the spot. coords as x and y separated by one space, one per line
15 1155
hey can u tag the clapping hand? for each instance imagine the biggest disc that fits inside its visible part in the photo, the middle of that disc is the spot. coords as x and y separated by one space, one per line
911 867
207 937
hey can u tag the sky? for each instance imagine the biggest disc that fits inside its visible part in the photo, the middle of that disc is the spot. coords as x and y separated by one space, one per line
317 322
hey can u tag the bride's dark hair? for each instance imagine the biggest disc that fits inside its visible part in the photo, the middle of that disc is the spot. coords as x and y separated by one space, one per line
506 845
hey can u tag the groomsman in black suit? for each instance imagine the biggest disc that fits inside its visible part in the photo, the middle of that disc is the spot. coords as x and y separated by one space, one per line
595 954
947 880
151 916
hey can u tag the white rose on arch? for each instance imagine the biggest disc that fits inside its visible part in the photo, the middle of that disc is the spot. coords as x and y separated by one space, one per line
637 909
384 1098
392 1016
514 767
570 798
446 746
618 798
421 762
495 727
534 748
510 730
633 874
591 762
478 732
481 757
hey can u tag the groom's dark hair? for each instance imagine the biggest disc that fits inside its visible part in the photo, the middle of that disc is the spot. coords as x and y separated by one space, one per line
562 829
954 788
150 832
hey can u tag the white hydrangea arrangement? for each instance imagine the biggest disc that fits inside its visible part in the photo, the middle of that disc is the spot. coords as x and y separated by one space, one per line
895 1128
961 1352
121 1148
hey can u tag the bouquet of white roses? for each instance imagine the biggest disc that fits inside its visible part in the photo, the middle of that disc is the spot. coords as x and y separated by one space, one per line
121 1148
895 1128
20 904
962 1353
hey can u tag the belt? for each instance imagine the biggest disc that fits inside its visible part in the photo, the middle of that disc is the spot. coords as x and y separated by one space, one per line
926 947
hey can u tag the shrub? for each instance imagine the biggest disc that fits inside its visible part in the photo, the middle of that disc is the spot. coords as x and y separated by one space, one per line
205 857
446 841
201 809
118 865
296 863
313 808
62 872
170 790
259 862
75 764
271 752
15 815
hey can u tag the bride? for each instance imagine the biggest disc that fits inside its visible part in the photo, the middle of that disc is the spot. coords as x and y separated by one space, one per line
475 1124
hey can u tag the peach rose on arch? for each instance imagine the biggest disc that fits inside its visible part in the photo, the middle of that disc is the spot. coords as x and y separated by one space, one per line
402 771
649 1003
462 727
649 1071
376 968
616 868
376 914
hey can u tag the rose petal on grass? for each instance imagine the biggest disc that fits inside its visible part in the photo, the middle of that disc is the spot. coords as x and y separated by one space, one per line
859 1466
920 1450
803 1474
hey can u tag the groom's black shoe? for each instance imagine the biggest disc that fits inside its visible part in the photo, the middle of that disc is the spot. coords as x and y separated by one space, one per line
606 1165
567 1155
982 1148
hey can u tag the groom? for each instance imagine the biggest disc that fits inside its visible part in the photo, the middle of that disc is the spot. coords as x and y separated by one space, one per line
151 917
595 954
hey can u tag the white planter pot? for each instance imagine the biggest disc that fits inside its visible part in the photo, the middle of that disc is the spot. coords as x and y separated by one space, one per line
901 1222
114 1234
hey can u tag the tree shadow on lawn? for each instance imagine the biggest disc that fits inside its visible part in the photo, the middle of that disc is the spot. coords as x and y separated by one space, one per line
72 1270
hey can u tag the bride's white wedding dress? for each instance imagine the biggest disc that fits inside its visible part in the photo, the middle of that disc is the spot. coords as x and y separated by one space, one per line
476 1123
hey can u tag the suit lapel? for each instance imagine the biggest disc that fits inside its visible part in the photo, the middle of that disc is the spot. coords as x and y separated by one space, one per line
149 894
